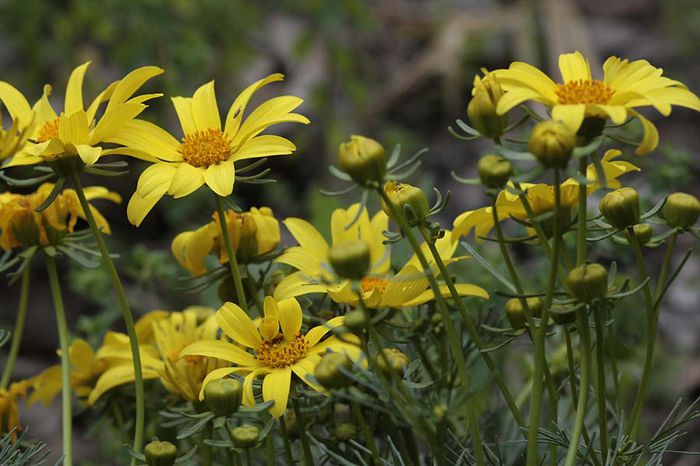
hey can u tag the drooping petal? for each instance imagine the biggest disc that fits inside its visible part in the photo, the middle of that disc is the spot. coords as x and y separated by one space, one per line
16 104
306 367
221 350
651 135
116 376
139 206
237 325
276 387
517 96
149 138
187 180
220 177
157 177
217 374
88 154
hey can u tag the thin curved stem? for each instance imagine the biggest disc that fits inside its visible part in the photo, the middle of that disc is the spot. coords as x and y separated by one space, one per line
582 214
308 458
286 442
579 426
231 253
126 314
19 328
600 384
366 432
66 395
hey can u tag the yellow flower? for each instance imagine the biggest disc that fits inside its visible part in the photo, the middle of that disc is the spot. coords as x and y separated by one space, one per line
625 86
13 139
76 131
540 197
278 349
380 289
254 234
21 225
206 154
9 409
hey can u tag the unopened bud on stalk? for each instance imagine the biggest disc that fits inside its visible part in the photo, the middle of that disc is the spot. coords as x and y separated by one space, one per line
681 210
621 207
516 313
329 370
363 159
494 171
408 199
160 453
245 436
552 142
350 259
588 282
481 109
391 359
643 232
223 396
345 431
355 320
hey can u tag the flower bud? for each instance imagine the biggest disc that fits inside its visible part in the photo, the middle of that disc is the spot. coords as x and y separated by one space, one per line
516 313
621 207
552 142
350 259
392 359
223 396
494 171
408 199
245 436
643 232
588 282
681 210
160 454
329 370
345 431
481 109
363 159
248 240
355 320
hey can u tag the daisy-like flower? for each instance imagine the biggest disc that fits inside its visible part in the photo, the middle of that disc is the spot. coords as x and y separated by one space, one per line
380 288
76 131
254 234
540 197
275 350
22 226
625 86
206 153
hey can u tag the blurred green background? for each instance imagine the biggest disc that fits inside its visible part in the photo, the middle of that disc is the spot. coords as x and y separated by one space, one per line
396 70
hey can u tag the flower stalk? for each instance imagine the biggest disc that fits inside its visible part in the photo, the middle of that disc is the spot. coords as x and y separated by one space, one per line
231 253
19 328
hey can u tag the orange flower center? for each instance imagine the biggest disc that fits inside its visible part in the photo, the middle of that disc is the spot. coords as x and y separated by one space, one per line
48 131
205 148
374 283
280 353
584 91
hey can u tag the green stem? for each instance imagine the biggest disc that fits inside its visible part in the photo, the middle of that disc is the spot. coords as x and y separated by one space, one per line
540 361
476 439
126 313
613 360
600 384
66 398
369 436
579 426
207 450
665 266
582 214
308 458
287 443
633 424
253 291
270 451
19 329
231 253
248 457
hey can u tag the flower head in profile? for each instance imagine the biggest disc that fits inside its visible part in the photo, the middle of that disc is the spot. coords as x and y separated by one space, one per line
76 131
254 234
208 150
9 408
274 350
626 86
380 287
14 138
22 226
541 197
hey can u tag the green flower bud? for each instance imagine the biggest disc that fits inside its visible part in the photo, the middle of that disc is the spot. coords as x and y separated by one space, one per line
160 453
681 210
329 372
363 159
621 207
643 232
588 282
391 359
223 396
245 436
552 142
345 431
355 320
440 412
516 313
494 171
408 199
350 259
481 109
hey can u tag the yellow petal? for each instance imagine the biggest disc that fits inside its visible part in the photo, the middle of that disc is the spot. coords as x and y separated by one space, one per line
139 206
16 104
220 350
129 84
248 397
521 74
306 367
569 114
276 387
274 111
116 376
574 66
156 178
97 101
74 90
216 374
73 128
88 154
290 317
237 325
113 119
149 138
651 135
183 108
187 180
308 237
297 284
205 110
343 229
314 335
404 286
235 113
517 96
264 146
220 178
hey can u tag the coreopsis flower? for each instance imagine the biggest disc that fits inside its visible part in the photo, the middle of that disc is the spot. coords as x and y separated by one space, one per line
77 131
206 153
9 409
541 197
625 86
380 288
13 139
254 234
273 350
22 226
